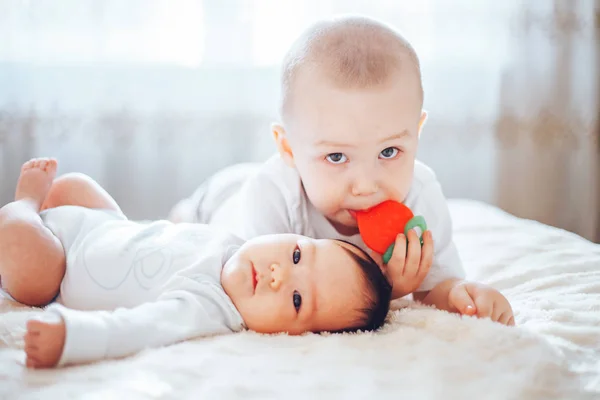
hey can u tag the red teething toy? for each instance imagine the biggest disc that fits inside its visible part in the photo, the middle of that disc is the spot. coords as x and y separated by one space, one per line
379 226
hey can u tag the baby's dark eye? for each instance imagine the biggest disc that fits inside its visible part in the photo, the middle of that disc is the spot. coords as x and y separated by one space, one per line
389 152
297 300
336 158
296 255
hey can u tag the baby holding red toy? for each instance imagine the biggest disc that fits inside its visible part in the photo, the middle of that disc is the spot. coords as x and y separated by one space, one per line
352 113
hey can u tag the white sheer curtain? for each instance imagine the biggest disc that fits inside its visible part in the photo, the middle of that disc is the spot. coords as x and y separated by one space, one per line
229 32
458 37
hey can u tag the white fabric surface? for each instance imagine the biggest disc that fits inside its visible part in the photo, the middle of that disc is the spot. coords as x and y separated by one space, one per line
551 277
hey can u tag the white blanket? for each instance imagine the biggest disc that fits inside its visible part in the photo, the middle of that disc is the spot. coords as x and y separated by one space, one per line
551 277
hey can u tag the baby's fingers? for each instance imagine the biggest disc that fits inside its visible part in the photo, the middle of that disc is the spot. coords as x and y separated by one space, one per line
460 299
413 256
506 318
485 307
398 259
31 362
426 254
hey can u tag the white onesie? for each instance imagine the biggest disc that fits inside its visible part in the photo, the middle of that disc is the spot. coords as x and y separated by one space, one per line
131 285
257 199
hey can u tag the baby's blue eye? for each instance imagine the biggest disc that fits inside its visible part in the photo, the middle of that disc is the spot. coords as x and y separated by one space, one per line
389 152
297 300
336 158
296 255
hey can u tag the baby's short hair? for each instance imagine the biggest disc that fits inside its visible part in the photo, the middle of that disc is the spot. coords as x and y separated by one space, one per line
377 292
351 52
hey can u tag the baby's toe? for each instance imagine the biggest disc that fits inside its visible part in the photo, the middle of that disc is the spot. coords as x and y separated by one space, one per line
50 165
42 163
28 164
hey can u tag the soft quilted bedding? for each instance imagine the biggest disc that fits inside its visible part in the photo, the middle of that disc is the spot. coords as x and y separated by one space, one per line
551 277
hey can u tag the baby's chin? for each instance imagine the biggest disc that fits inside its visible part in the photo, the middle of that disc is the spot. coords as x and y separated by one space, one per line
344 223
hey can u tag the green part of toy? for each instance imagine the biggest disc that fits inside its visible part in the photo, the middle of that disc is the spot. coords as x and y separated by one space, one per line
415 222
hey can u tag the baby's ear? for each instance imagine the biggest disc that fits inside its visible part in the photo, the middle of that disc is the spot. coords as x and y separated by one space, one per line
283 145
422 121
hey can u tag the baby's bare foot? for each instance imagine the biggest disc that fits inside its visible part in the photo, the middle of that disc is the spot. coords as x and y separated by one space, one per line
35 180
44 341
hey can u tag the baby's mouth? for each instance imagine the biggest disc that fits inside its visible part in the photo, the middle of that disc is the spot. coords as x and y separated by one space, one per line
254 279
354 212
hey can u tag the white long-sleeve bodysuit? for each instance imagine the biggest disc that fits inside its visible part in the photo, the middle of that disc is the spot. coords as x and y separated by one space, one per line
130 285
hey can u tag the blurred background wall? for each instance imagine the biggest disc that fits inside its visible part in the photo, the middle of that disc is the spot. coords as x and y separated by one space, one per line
150 97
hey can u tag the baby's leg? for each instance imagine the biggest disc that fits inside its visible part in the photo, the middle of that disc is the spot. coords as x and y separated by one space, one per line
32 260
75 189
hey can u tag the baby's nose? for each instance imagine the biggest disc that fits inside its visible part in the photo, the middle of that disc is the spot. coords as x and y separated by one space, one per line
365 187
276 276
364 184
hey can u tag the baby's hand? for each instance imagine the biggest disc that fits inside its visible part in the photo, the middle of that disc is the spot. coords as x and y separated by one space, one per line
44 341
407 270
471 298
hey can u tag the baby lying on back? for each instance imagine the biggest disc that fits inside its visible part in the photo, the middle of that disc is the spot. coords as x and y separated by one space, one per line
118 286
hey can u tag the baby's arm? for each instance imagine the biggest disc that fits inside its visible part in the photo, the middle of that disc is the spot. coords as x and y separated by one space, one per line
438 259
470 298
85 336
439 297
444 286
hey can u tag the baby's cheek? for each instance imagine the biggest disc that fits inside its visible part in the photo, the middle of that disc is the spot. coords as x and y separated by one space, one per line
327 199
396 192
400 190
327 205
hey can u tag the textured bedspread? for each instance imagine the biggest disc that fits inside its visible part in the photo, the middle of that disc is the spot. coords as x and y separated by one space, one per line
551 277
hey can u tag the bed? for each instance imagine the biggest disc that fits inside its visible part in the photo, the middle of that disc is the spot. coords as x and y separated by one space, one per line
551 277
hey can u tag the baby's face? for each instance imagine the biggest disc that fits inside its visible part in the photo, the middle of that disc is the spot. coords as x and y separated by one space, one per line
354 148
294 284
